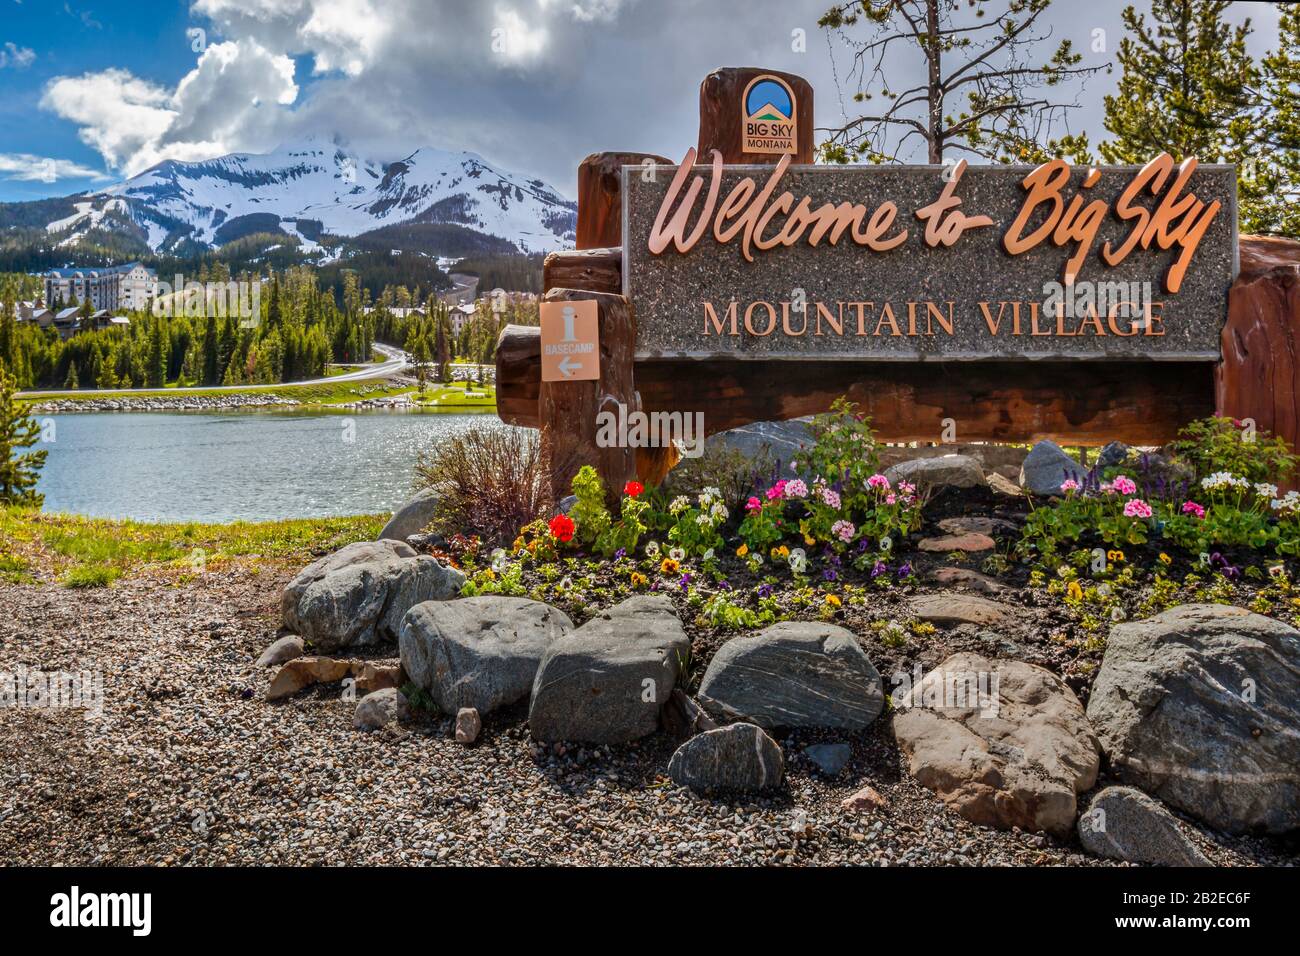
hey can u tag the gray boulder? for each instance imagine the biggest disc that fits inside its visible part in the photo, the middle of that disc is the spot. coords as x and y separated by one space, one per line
1200 707
945 471
777 441
1125 824
1015 753
479 652
738 757
1046 467
606 681
358 595
412 517
794 674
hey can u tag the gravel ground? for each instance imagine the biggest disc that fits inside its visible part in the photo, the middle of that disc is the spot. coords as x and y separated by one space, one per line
190 766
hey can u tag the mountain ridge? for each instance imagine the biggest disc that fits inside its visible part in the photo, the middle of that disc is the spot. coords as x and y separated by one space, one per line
314 191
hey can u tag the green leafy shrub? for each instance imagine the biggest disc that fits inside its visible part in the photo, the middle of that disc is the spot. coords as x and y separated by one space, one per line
1212 445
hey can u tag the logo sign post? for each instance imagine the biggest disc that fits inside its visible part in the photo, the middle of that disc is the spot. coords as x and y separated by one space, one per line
770 120
570 341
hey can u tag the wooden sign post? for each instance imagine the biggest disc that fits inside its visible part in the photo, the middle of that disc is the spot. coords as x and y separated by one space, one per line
1111 390
569 406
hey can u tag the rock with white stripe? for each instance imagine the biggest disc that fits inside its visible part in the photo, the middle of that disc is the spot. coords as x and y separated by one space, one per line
738 757
794 674
1200 707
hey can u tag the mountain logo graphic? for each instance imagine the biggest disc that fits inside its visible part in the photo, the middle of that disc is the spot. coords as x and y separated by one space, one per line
769 116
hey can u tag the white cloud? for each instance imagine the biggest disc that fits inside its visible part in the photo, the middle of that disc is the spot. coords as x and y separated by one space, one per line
227 102
18 57
390 74
40 169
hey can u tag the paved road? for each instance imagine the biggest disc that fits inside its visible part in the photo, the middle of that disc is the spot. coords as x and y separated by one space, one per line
394 361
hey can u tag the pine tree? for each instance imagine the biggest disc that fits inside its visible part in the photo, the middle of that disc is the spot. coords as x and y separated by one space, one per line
985 89
71 381
1185 87
159 351
211 353
18 430
1269 194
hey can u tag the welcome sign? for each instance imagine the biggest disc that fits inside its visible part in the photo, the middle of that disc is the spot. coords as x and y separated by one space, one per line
916 262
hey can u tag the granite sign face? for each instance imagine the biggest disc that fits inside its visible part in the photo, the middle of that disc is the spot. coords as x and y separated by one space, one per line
929 262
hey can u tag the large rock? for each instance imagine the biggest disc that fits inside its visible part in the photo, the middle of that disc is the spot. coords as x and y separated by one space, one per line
1014 755
607 681
412 517
480 652
738 757
358 595
1046 468
794 674
1125 824
947 471
1200 706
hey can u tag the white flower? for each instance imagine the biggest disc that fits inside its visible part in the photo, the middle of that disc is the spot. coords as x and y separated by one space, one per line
652 549
798 561
719 512
677 554
499 560
708 555
1290 502
679 504
1223 479
713 492
1265 490
703 520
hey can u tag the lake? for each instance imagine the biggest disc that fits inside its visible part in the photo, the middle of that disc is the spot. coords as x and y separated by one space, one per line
254 465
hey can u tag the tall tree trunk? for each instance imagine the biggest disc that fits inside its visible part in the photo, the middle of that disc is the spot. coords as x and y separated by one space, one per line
935 136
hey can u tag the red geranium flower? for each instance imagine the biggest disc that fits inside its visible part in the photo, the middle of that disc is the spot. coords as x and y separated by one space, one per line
633 488
562 528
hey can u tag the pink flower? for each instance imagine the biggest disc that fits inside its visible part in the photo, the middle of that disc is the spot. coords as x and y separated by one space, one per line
890 499
844 530
776 491
753 504
1125 486
831 497
1192 508
1069 485
1137 508
878 481
796 489
906 487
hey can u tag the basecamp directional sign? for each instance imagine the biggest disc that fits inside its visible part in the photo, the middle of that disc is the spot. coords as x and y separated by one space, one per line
570 341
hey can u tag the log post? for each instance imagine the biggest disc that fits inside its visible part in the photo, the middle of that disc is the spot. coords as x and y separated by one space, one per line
568 411
600 197
722 104
1259 375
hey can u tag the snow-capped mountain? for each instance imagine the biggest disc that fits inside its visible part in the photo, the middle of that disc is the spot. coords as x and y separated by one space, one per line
316 188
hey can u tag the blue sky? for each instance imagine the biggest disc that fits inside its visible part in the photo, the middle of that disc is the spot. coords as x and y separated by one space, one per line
113 86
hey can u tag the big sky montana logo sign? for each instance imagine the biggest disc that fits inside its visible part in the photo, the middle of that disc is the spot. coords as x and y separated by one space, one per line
770 117
915 262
